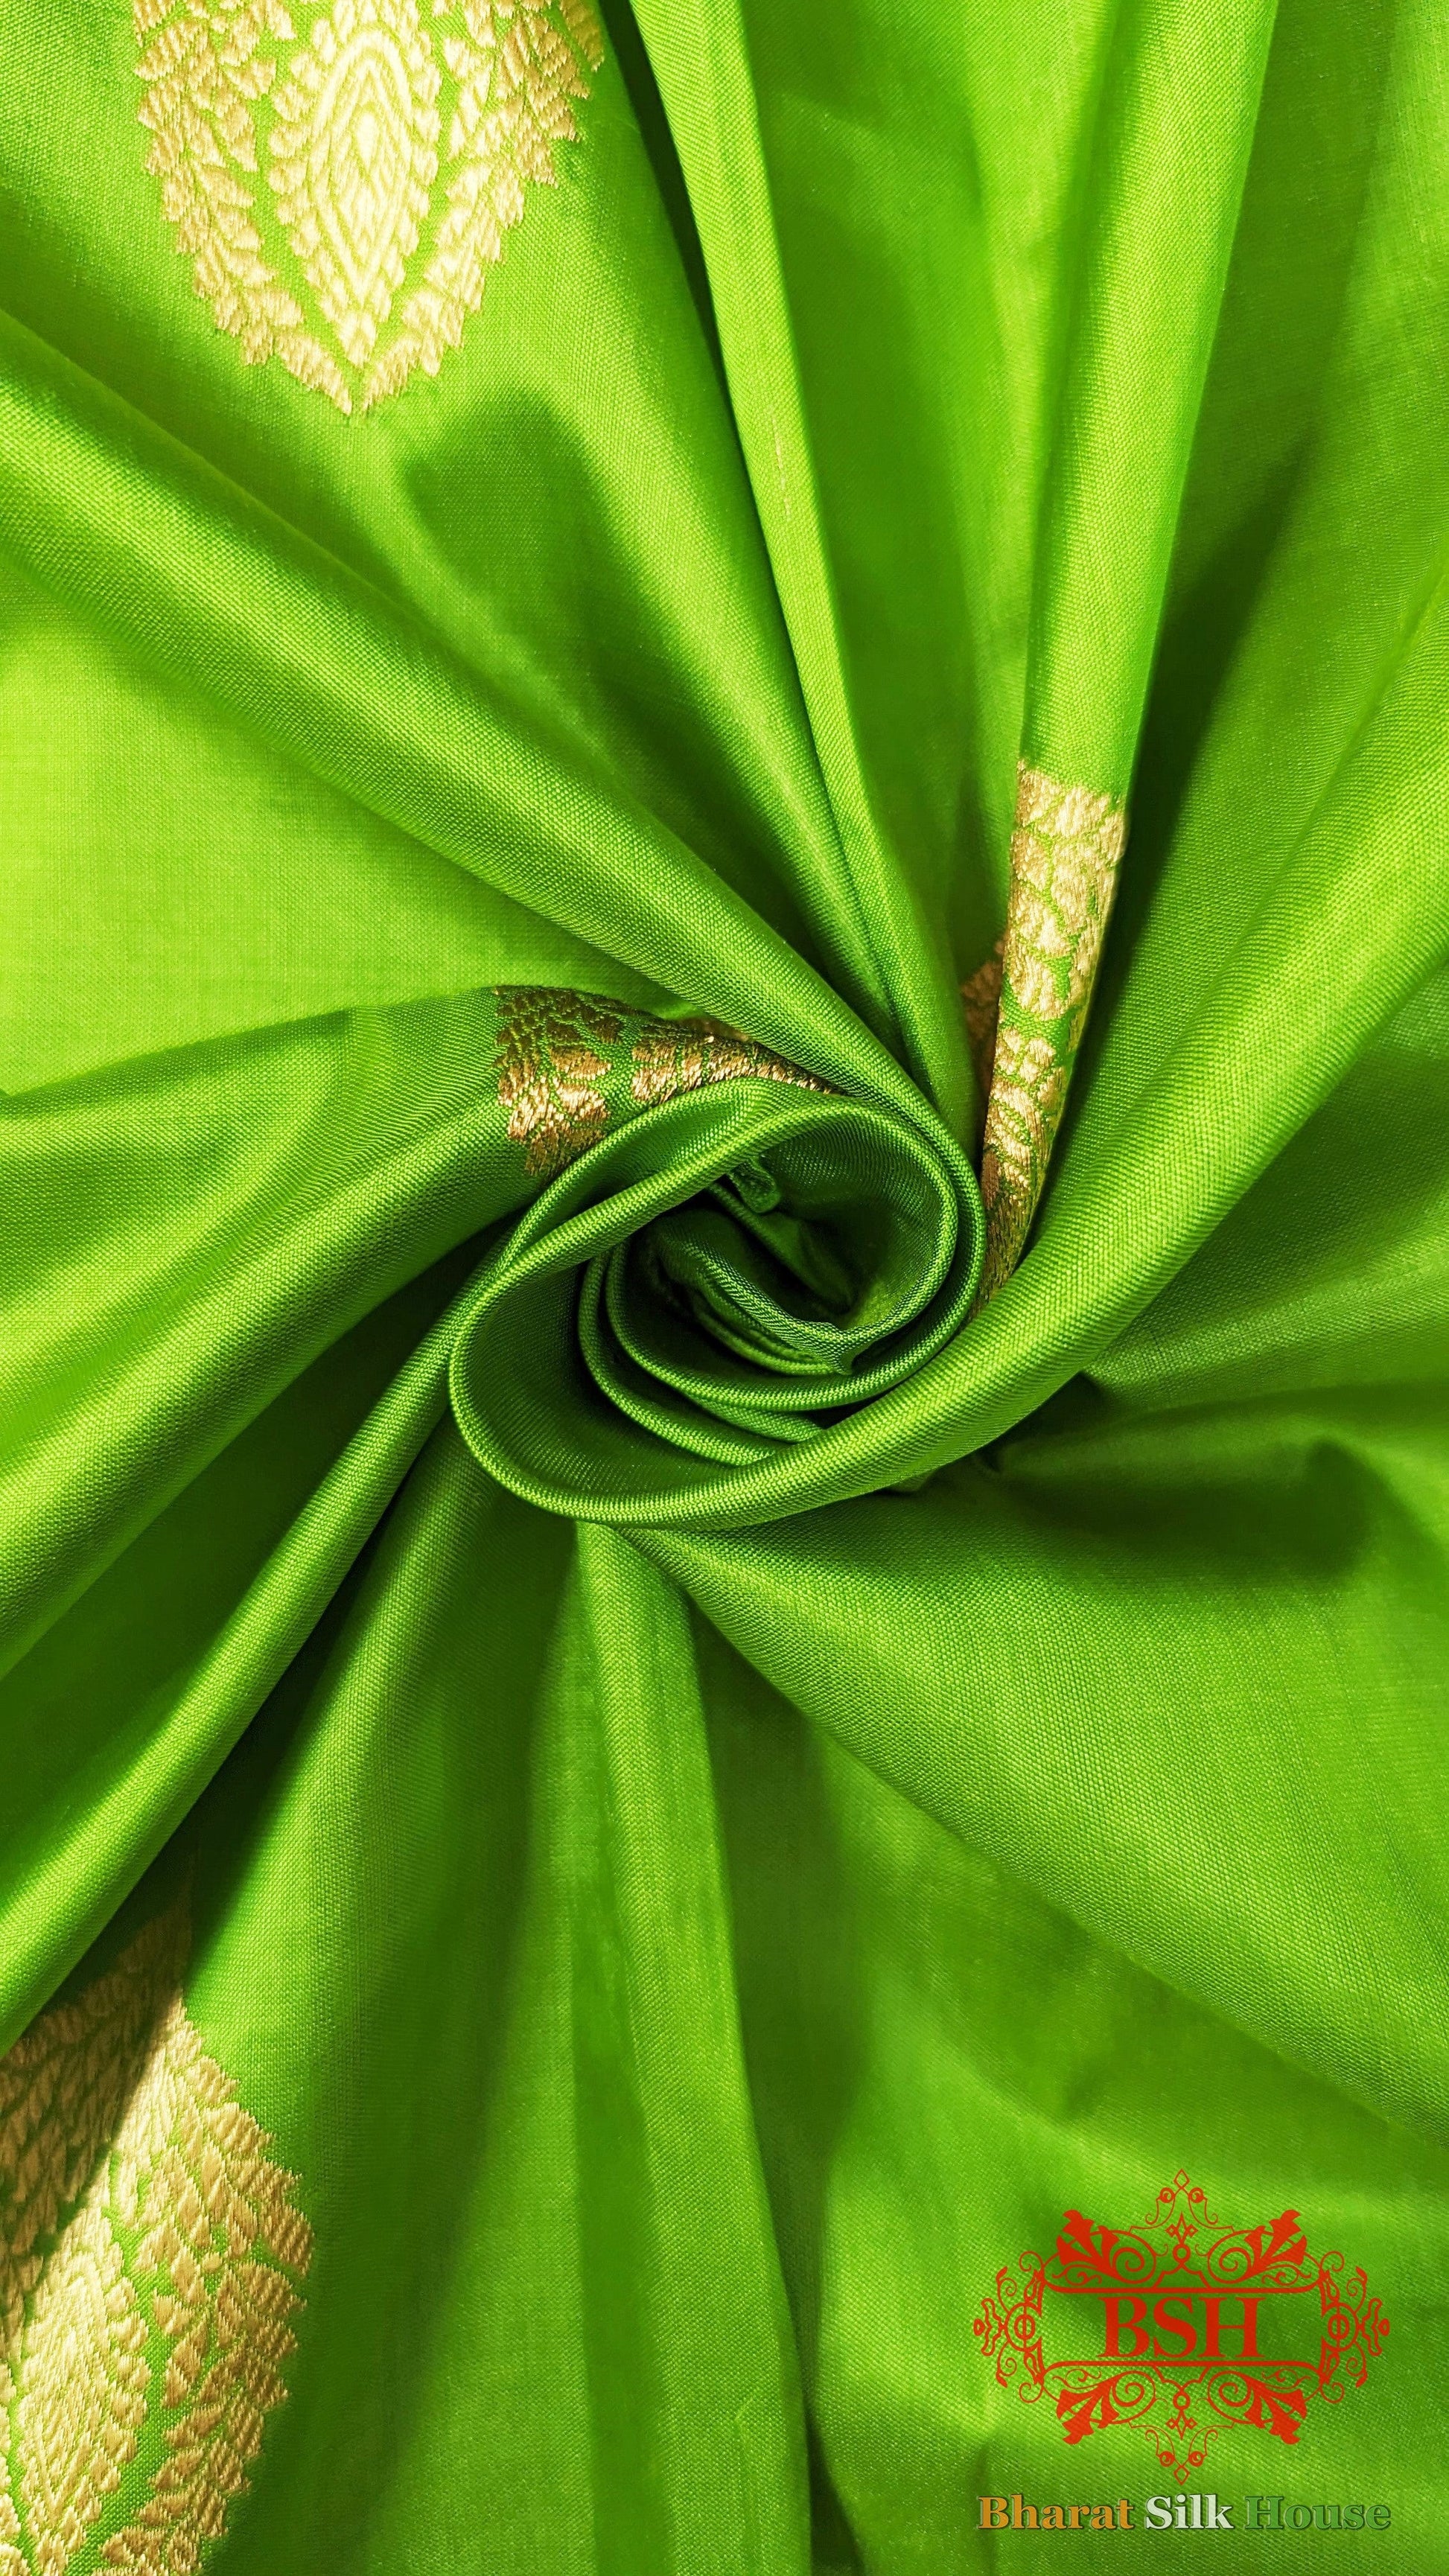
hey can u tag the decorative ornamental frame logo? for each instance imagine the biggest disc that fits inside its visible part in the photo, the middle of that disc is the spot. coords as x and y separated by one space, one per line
1176 2290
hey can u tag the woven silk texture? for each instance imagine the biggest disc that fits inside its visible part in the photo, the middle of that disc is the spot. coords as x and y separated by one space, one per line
724 1286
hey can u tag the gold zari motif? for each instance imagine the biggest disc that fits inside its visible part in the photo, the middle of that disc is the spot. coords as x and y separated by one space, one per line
548 1066
1065 853
981 994
137 2204
671 1056
551 1069
300 165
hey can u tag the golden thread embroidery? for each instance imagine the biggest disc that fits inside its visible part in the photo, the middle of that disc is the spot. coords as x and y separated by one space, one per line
83 2387
671 1056
349 125
1065 853
353 157
516 75
137 2200
981 994
548 1068
11 2562
204 77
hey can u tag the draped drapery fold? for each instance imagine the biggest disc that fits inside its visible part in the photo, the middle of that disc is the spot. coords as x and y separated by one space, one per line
723 1304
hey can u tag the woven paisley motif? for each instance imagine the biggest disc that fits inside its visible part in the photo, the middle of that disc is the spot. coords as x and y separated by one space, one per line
343 176
558 1050
1026 1007
150 2255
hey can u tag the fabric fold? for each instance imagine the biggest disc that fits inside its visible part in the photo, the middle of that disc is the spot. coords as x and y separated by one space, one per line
708 1615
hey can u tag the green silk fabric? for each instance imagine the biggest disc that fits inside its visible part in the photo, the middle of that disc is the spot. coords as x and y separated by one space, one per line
719 1783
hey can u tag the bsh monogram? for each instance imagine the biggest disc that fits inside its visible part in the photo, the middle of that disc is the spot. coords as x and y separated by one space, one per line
1182 2298
1176 2328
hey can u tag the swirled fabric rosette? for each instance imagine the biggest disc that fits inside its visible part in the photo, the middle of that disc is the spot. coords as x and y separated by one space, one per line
724 1283
739 1258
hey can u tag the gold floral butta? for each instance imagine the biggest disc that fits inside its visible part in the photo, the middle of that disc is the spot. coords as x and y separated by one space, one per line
343 176
1026 1007
150 2252
556 1048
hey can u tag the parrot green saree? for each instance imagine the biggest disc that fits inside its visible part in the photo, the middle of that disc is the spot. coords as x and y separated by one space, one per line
725 1282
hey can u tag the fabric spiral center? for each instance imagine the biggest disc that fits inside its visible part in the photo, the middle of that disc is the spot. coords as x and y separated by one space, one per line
728 1256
